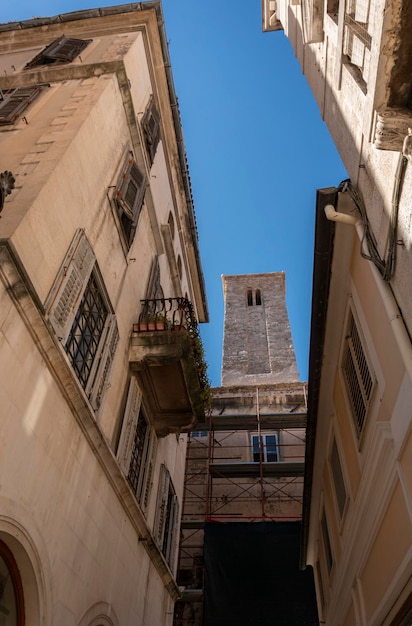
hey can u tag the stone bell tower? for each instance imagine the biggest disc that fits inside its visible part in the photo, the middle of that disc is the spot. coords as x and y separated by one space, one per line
257 344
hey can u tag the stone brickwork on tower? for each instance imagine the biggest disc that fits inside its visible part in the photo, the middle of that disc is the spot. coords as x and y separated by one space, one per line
257 345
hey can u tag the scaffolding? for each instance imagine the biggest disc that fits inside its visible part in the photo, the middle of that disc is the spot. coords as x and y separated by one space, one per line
245 465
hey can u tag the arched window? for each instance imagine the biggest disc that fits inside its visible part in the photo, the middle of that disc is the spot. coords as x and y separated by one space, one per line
249 297
179 266
258 297
11 589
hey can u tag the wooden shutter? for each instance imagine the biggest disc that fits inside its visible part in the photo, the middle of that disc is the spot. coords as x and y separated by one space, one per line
131 415
131 190
147 486
161 506
16 101
172 539
61 50
69 285
98 380
65 49
151 128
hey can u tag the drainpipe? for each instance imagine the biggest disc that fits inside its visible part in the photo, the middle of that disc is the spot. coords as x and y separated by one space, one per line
402 338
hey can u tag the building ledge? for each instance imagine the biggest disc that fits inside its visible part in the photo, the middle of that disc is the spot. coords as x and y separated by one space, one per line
252 470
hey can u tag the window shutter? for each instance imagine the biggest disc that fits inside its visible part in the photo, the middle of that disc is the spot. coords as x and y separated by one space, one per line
103 365
151 128
131 414
147 488
130 192
16 101
172 539
161 506
65 49
69 285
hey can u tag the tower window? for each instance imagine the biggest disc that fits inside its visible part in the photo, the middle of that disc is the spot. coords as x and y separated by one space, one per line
249 297
258 297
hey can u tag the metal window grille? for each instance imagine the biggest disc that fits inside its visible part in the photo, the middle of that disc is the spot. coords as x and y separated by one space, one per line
139 459
86 332
357 39
357 374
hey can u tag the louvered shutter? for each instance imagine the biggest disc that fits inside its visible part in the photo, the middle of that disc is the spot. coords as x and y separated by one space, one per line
16 101
161 506
61 50
147 486
102 366
130 193
65 49
172 539
69 285
151 129
131 415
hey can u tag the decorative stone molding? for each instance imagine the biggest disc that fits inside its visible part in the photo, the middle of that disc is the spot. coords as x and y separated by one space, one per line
270 20
392 127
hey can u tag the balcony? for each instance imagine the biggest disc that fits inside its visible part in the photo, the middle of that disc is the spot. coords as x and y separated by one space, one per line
166 356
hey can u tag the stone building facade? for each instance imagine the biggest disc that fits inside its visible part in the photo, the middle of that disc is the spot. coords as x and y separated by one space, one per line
97 241
357 513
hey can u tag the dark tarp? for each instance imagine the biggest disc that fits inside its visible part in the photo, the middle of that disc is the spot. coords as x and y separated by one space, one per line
253 578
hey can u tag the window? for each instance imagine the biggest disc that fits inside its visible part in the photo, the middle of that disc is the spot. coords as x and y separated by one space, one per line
357 374
196 434
326 542
13 102
357 40
129 196
11 590
137 447
258 297
167 517
79 310
338 479
151 129
61 50
268 447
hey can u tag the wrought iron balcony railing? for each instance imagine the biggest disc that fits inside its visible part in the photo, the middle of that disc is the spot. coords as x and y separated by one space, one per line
176 314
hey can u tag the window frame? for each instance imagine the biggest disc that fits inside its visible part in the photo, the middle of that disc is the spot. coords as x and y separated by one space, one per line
129 197
62 304
22 98
263 437
52 53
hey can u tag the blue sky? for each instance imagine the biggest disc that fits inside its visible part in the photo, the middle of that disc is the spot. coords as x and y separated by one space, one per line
256 145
